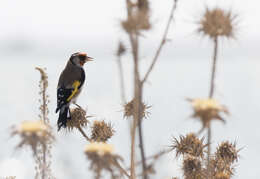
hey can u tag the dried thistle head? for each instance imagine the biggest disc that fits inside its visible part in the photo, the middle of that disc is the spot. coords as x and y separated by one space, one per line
227 152
129 109
219 167
32 134
139 18
192 167
139 21
100 148
101 131
216 23
79 119
190 145
102 157
207 110
222 175
121 49
143 5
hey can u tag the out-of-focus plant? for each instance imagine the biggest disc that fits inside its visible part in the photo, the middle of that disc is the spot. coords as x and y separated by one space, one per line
215 23
38 134
195 164
103 158
137 22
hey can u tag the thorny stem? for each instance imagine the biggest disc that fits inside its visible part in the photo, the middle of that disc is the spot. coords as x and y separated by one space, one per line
137 102
130 34
138 88
213 70
163 41
121 169
121 76
154 157
44 113
142 144
84 134
211 93
44 109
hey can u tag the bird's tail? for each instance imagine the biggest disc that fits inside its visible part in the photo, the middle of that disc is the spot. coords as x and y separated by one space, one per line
63 117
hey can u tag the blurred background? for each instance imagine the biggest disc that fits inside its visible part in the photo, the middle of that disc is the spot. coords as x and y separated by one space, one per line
46 33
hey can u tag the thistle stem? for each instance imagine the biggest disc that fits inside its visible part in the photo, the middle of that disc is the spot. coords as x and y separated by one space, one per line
211 93
163 41
84 134
213 70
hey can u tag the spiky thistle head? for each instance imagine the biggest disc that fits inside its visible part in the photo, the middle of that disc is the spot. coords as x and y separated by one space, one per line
129 109
101 131
219 168
192 167
222 175
189 145
207 109
102 157
227 152
217 23
100 148
138 18
79 119
33 133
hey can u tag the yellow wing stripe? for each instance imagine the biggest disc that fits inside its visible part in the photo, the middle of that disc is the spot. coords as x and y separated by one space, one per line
75 86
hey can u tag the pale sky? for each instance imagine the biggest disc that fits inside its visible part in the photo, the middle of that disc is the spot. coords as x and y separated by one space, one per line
54 29
53 26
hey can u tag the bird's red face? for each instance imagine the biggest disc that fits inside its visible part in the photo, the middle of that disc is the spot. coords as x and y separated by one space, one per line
83 58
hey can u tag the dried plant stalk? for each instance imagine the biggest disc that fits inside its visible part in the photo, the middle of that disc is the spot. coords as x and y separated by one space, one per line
138 20
215 23
43 157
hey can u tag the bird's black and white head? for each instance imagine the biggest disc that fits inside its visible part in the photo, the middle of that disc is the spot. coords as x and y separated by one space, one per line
79 59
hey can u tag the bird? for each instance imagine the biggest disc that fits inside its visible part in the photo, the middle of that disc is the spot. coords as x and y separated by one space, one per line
70 85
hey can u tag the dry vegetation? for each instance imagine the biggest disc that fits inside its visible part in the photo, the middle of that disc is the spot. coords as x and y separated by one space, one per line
198 162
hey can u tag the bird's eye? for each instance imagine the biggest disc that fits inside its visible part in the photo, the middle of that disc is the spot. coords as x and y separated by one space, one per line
82 58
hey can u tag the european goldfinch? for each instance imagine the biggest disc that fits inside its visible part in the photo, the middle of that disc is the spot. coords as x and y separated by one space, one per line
70 85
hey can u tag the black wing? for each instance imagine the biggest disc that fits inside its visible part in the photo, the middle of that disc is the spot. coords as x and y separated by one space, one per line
62 96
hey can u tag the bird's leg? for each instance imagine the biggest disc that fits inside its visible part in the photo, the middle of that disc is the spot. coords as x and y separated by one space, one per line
77 105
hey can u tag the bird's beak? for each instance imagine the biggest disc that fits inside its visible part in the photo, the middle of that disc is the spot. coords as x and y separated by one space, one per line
89 58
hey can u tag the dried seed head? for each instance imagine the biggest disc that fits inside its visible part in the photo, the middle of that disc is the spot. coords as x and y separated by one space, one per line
101 131
139 18
78 119
99 148
138 22
227 152
102 157
44 77
216 23
143 5
222 175
219 166
192 167
129 109
121 49
207 110
190 145
33 133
